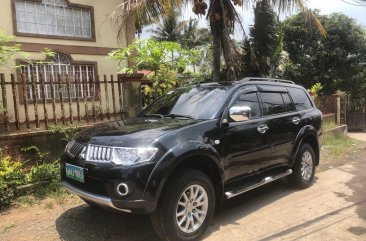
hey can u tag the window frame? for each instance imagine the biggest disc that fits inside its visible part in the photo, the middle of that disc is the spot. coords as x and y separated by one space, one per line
272 89
36 35
312 104
246 89
21 62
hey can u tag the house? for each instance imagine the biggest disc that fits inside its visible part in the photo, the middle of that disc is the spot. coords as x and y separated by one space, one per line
80 35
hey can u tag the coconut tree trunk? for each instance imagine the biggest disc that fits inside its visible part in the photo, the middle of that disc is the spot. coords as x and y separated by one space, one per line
216 32
229 57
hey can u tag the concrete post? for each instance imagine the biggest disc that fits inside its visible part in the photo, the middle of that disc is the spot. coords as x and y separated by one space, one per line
338 120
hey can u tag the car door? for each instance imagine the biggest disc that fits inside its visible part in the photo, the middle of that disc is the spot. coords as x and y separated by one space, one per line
245 141
282 120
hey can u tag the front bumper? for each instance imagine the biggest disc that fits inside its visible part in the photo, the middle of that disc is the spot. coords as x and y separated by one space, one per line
94 198
135 206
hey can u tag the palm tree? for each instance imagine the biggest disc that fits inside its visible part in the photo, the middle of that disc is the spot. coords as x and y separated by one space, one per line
194 36
221 14
266 39
169 29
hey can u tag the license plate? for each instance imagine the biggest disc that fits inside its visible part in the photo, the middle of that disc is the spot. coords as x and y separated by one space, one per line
74 172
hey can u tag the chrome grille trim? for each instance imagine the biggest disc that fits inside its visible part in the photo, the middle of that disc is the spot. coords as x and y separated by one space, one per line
76 148
96 153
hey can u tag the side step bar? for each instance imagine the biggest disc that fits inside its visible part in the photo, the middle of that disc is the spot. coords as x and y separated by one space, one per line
230 194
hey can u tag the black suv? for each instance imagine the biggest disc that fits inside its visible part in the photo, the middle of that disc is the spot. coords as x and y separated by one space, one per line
194 147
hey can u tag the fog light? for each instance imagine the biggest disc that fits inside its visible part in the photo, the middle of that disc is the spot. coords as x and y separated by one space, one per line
122 189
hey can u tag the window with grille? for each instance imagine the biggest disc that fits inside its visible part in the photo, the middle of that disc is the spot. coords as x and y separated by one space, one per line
53 18
81 77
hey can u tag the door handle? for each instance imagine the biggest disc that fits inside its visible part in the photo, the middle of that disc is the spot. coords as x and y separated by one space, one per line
263 128
296 120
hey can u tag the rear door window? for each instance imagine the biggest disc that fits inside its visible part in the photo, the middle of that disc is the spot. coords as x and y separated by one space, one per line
289 106
300 99
272 103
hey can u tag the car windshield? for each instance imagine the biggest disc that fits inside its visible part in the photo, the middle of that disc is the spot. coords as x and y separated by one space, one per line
200 102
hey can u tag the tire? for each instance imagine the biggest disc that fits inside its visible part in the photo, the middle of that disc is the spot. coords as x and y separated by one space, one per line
303 168
164 219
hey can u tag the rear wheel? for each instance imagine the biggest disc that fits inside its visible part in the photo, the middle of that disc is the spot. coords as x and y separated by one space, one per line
185 208
304 167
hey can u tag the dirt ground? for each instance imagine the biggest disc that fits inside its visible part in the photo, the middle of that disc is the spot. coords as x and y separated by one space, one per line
334 208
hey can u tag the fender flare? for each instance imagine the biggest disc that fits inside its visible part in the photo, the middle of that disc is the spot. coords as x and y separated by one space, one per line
174 157
305 131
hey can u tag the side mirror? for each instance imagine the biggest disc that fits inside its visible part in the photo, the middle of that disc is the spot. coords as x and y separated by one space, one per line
239 113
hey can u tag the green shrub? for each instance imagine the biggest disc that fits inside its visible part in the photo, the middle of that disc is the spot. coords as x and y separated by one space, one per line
66 133
11 171
38 156
47 172
11 176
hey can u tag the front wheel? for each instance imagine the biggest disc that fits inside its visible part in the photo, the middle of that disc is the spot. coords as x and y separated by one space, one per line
185 208
303 168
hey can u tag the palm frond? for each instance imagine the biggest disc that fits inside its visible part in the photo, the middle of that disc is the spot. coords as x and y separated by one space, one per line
141 10
300 5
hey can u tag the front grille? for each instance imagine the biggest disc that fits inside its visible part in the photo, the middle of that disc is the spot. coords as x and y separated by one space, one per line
76 148
99 153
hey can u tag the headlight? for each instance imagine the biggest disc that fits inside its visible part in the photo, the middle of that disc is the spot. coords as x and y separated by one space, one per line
129 156
119 155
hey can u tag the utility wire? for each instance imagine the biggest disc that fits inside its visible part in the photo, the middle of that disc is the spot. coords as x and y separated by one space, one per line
358 3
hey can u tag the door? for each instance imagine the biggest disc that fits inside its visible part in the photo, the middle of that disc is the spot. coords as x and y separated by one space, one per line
245 140
283 122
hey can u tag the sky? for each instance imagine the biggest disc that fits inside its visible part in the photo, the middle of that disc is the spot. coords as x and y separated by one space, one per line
325 7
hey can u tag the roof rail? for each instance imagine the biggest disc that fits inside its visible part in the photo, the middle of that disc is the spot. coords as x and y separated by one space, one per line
266 79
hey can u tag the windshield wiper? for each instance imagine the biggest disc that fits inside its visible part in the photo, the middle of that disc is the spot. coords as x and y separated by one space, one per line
182 116
153 115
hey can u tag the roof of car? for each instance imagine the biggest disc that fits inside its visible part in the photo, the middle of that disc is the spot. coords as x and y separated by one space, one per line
251 80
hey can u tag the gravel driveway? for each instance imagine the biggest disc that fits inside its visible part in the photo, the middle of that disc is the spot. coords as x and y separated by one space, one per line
334 208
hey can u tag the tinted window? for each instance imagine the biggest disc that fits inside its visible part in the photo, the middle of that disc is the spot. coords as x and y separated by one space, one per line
250 102
300 99
289 106
196 102
272 103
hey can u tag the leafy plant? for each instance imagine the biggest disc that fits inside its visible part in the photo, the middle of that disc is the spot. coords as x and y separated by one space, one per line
11 175
39 156
8 51
316 88
165 59
44 172
65 133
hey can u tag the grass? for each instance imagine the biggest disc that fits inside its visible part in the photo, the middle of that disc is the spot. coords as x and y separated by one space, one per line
337 145
26 201
329 125
52 190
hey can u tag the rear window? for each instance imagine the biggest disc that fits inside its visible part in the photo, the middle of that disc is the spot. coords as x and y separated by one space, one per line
300 99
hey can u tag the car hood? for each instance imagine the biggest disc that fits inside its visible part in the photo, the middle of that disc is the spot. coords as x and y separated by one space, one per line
139 131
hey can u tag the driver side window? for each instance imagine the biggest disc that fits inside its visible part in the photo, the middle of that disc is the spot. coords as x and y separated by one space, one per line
246 107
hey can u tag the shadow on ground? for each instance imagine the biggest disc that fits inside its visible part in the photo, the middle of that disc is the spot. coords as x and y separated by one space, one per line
88 223
358 197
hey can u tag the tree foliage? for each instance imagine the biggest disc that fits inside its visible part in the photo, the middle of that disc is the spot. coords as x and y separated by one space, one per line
265 43
8 51
337 62
223 18
169 29
156 56
194 36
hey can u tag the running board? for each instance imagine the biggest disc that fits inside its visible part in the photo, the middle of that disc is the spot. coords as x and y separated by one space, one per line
230 194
